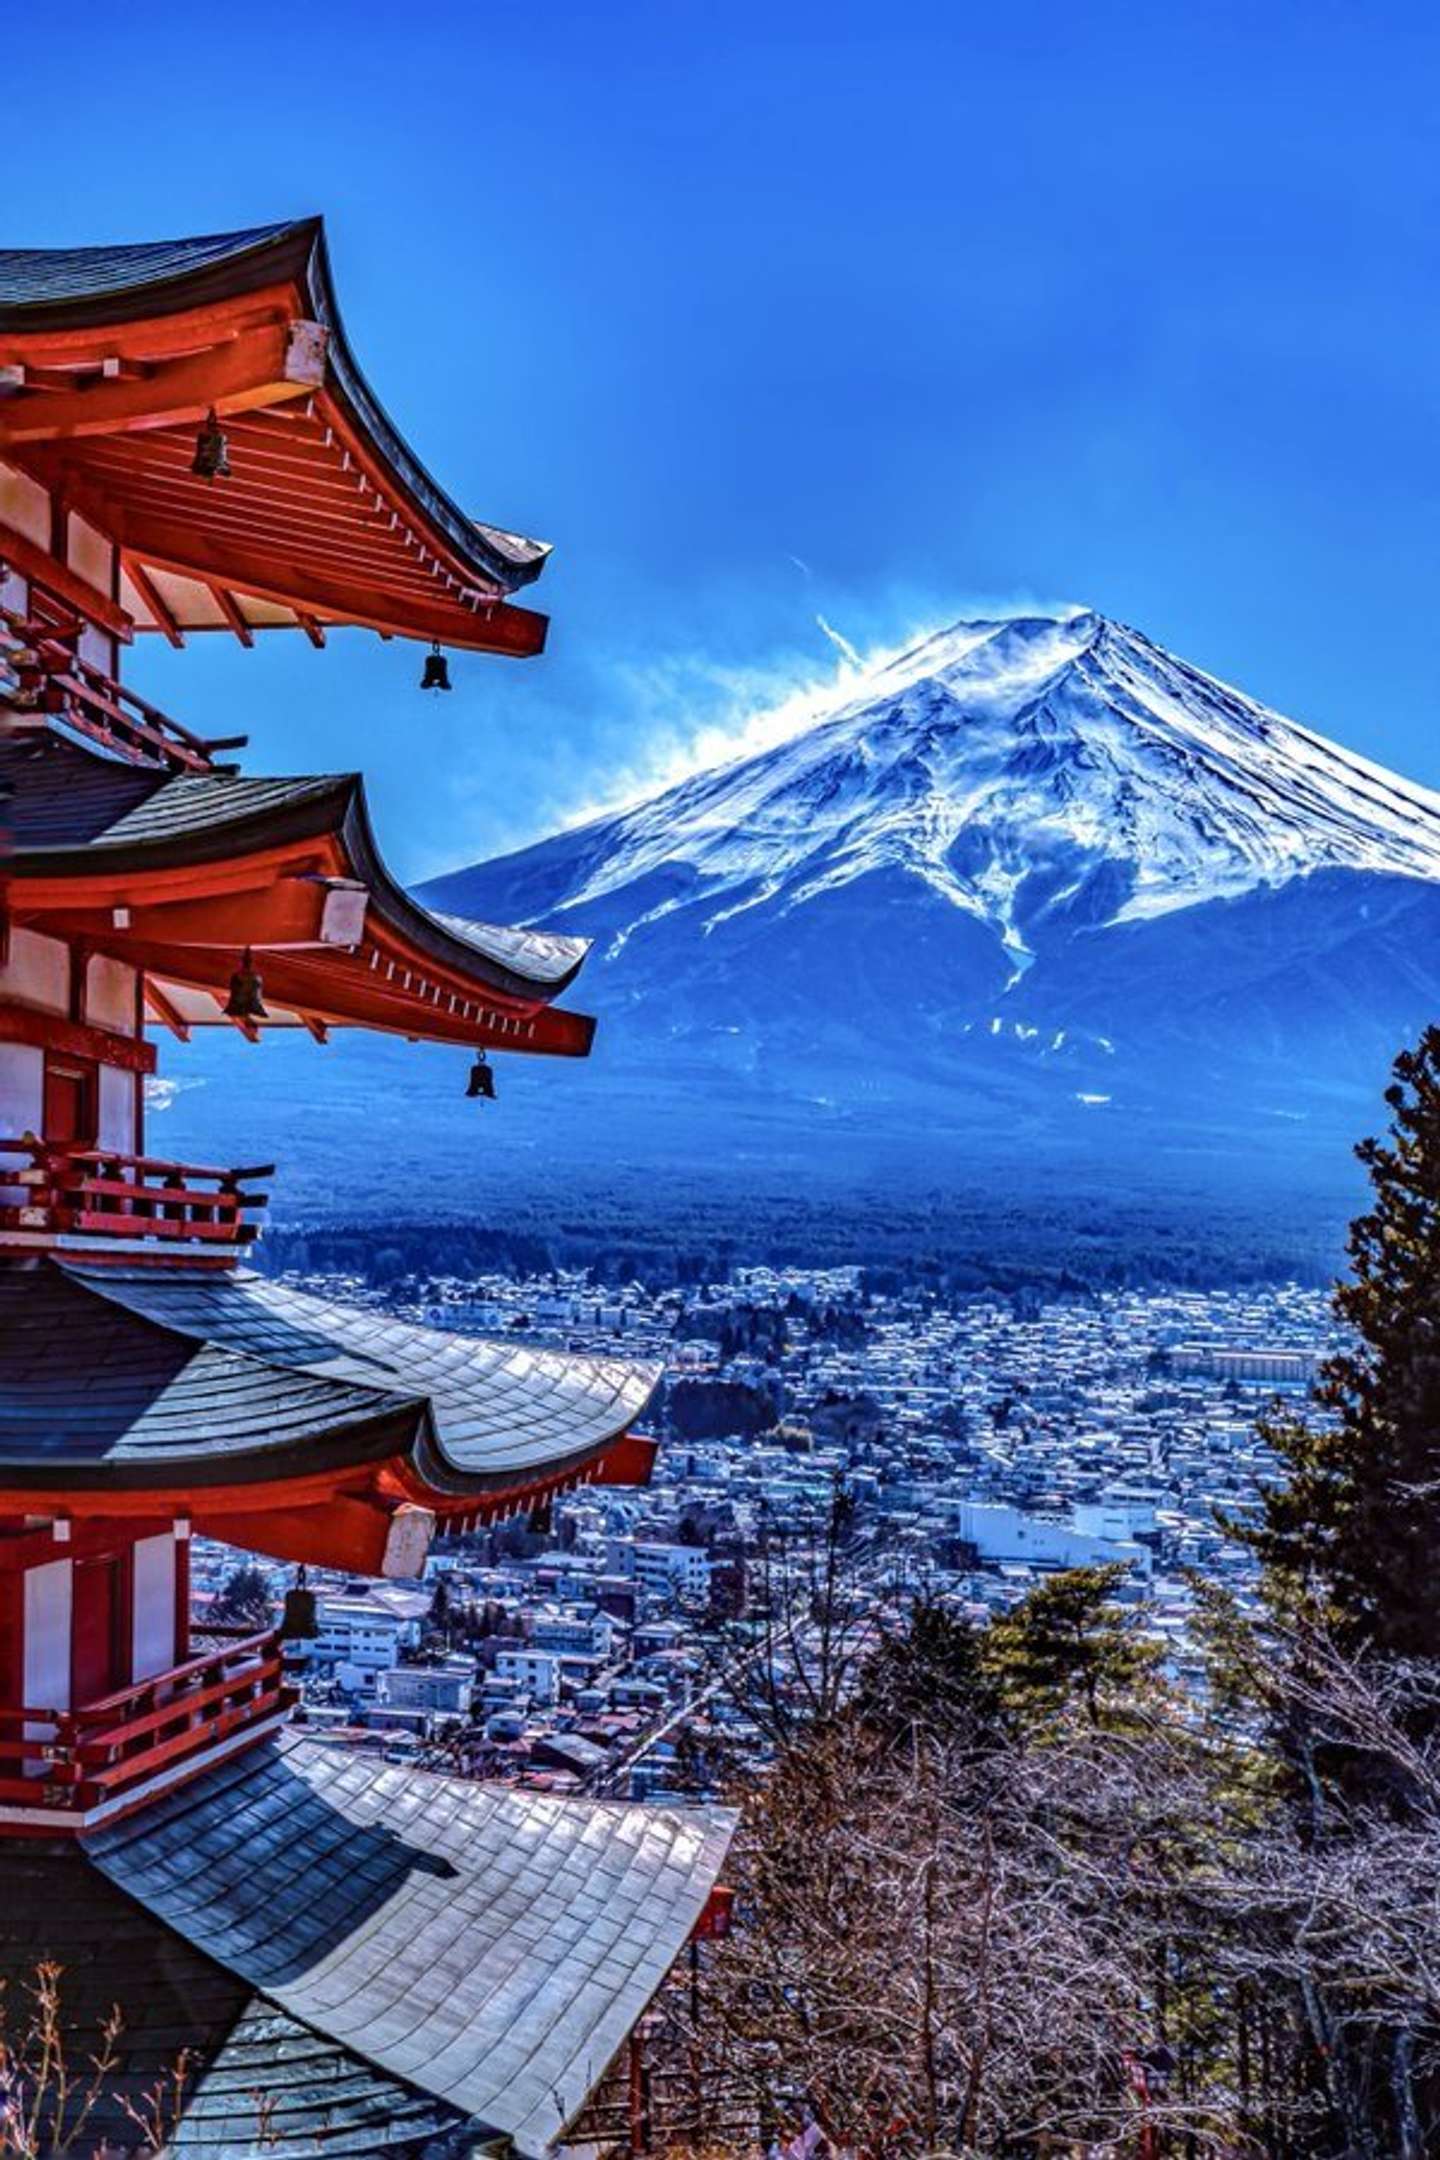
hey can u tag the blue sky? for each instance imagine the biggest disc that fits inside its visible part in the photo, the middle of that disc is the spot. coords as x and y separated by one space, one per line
764 312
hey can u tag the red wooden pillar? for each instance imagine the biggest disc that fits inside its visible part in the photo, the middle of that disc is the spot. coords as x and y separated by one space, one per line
639 2093
182 1590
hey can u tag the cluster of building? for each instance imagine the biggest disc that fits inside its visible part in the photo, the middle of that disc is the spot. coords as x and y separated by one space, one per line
979 1443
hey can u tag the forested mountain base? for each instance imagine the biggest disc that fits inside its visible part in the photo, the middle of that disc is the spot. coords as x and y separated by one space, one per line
951 1241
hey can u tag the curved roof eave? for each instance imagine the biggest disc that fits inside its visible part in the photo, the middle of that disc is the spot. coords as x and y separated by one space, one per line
456 1901
75 288
525 962
478 1418
89 815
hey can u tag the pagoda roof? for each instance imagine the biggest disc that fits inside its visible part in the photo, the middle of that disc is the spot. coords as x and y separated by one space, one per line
113 354
489 1947
162 1379
120 853
177 2001
382 1956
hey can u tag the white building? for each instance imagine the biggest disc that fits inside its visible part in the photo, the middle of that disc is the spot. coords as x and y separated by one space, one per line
671 1570
360 1636
447 1690
582 1635
1000 1532
536 1673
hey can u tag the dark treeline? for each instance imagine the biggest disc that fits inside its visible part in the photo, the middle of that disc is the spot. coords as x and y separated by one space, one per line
951 1245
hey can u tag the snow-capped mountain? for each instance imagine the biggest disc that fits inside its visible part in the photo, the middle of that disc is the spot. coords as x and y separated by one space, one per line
1016 769
1036 910
1034 867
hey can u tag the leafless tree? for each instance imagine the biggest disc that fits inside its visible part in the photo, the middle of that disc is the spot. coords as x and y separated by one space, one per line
55 2096
1112 1941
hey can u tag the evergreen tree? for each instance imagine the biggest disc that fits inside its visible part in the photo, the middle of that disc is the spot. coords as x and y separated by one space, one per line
1351 1537
244 1599
1068 1646
929 1677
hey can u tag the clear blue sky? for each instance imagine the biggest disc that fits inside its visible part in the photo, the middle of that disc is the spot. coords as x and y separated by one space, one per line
762 311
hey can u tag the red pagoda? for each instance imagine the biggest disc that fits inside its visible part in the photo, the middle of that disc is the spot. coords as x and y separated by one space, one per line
344 1956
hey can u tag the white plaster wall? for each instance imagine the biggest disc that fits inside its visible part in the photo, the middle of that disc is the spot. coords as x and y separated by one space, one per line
37 972
98 647
46 1678
110 994
91 554
153 1637
22 1089
25 505
117 1109
22 1104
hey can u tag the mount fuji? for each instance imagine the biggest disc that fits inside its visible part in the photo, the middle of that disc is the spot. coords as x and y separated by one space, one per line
1035 885
1037 917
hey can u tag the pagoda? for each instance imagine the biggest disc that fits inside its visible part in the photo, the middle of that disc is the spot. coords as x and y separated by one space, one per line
311 1950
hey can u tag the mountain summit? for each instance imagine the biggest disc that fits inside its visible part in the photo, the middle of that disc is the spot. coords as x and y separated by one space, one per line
1035 908
1033 773
1034 866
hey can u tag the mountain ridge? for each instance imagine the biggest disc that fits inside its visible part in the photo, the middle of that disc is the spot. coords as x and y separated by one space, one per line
1031 853
1036 906
1033 733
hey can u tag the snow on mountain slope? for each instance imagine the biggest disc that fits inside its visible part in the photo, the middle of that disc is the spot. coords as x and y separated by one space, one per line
1033 773
1035 894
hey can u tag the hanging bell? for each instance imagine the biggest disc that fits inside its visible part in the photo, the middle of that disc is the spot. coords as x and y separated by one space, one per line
437 670
212 451
298 1622
482 1079
246 1000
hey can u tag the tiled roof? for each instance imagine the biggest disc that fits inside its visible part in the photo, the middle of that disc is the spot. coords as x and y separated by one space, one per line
62 798
258 2081
497 1408
173 1374
34 277
147 1404
491 1947
67 810
41 287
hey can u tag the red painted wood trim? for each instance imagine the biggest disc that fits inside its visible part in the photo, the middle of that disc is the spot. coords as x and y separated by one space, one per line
182 1598
87 1541
165 622
47 1031
40 568
153 336
256 368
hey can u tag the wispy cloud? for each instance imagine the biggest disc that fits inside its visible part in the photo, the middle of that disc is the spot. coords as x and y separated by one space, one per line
688 711
692 712
841 643
664 715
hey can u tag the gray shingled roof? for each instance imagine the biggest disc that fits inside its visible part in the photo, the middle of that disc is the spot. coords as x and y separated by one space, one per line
43 277
69 810
177 1374
251 2065
491 1947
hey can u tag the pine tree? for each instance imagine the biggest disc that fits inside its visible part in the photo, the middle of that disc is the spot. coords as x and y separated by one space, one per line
1067 1647
1351 1537
244 1599
929 1677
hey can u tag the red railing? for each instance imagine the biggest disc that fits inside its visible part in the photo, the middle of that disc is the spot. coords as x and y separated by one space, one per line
43 678
77 1760
96 1192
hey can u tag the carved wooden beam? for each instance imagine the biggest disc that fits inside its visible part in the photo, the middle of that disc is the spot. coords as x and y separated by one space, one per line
261 367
